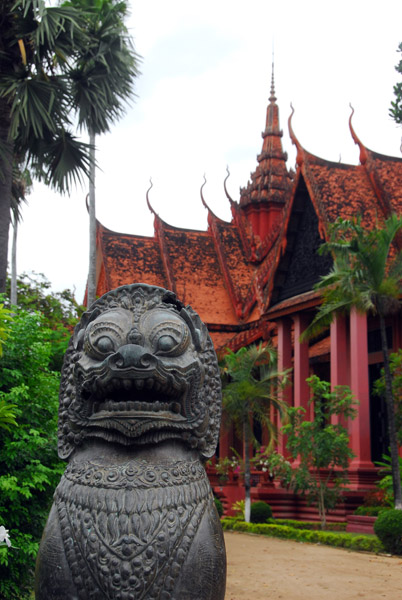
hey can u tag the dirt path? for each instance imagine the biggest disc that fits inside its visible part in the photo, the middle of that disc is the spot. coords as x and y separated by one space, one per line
262 568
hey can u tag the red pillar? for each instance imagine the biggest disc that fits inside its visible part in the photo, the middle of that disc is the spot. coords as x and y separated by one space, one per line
284 363
340 372
339 353
301 362
359 383
225 439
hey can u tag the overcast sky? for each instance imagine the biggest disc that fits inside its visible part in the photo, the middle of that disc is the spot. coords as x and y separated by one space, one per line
201 104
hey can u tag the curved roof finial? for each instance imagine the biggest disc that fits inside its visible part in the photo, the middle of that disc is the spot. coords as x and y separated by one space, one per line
147 196
363 151
295 141
225 188
202 195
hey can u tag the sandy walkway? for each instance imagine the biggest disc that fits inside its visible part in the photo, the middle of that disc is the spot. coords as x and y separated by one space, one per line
262 568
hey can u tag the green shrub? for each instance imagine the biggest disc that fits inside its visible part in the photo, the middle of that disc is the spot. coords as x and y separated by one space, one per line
328 538
219 506
313 525
388 528
370 511
29 466
260 512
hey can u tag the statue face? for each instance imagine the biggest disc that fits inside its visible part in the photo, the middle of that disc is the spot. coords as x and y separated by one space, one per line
141 373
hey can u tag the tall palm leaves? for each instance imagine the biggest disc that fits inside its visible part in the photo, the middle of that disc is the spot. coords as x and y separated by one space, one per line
249 396
36 47
57 62
102 82
366 275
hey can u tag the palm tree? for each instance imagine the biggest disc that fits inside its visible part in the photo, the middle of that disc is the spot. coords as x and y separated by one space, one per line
38 45
249 395
366 275
103 81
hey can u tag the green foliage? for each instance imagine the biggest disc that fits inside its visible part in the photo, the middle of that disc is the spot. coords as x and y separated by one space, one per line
396 106
395 363
251 383
60 311
320 445
370 511
386 482
310 525
388 528
5 318
103 76
365 274
250 386
29 466
39 44
260 512
219 506
238 508
359 543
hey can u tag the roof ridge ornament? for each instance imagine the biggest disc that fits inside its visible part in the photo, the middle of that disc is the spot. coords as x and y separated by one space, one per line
363 150
148 201
295 141
202 195
225 188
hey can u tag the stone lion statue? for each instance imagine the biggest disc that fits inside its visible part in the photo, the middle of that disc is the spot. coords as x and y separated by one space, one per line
140 404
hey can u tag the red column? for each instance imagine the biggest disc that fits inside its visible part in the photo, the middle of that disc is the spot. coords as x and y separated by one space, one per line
301 362
225 439
339 353
359 383
284 362
340 372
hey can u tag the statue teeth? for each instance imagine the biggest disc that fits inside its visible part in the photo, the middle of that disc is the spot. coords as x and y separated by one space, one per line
127 384
139 384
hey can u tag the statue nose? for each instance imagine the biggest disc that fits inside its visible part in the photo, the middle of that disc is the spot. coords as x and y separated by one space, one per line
133 355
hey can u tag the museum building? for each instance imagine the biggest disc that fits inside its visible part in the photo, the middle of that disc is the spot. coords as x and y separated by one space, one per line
251 279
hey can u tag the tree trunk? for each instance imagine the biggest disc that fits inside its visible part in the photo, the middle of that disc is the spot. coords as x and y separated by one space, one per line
91 286
247 474
13 292
389 400
6 161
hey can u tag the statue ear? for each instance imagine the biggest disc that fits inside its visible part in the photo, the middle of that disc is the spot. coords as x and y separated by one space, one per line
79 331
199 331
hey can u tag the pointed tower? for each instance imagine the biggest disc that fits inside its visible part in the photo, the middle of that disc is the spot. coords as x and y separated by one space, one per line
263 199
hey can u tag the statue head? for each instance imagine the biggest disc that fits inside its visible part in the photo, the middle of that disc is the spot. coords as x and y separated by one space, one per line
140 369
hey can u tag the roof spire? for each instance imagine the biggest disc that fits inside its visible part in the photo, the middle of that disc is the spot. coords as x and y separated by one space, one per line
272 97
270 181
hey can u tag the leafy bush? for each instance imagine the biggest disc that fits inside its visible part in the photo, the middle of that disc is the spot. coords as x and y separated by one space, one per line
328 538
370 511
219 506
311 525
260 512
386 484
388 528
29 466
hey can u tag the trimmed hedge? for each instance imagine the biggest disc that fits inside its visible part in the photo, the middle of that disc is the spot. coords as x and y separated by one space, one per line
327 538
311 525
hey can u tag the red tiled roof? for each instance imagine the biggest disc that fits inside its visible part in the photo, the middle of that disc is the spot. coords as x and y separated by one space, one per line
227 273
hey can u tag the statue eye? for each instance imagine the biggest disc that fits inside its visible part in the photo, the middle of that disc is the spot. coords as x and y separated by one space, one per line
102 338
104 344
166 343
